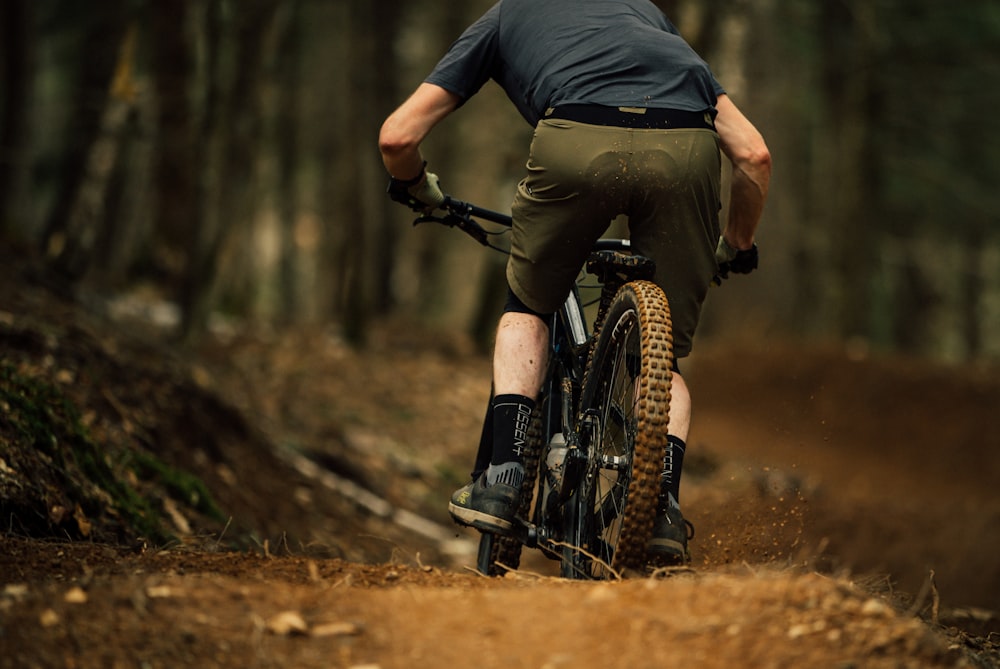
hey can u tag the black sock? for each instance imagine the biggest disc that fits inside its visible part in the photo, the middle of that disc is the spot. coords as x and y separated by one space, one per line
511 419
670 479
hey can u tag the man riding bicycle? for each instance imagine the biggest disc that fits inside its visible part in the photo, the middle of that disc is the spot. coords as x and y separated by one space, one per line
628 120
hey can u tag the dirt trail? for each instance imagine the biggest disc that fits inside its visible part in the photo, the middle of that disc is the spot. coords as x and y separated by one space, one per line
825 490
292 612
891 457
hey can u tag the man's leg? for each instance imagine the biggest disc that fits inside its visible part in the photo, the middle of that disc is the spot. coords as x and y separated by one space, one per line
668 545
677 433
519 365
680 407
520 356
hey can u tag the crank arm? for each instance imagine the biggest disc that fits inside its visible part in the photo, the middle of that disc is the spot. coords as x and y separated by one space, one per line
527 533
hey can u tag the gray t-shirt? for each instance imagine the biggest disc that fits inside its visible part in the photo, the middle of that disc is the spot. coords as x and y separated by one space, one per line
545 53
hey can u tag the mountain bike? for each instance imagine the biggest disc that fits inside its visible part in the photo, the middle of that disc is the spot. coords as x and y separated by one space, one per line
599 430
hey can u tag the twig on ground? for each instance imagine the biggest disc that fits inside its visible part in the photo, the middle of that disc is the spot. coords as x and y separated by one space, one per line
928 588
617 574
223 533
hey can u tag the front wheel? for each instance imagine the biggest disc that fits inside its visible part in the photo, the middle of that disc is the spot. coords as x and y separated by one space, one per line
625 405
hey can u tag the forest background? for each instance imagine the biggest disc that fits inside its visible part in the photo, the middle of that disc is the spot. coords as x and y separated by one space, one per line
220 156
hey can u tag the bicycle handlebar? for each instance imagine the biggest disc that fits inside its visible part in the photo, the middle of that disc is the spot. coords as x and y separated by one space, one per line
462 215
458 214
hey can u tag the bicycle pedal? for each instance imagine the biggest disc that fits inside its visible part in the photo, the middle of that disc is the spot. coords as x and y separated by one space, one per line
527 533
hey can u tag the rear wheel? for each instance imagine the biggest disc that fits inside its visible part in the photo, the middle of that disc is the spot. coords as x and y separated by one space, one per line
626 406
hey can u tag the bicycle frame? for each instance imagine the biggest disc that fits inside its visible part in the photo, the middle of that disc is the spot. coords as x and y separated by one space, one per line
570 342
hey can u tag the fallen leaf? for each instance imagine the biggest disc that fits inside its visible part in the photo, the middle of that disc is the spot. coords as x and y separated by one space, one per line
81 521
286 623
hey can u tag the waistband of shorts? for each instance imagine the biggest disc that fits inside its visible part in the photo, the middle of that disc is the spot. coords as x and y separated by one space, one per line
634 117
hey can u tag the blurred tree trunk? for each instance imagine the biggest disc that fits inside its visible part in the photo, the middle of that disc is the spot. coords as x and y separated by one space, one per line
354 304
434 286
368 252
975 200
209 119
386 17
850 199
16 69
289 83
91 224
701 23
232 130
787 289
914 299
208 140
332 106
98 119
179 155
971 290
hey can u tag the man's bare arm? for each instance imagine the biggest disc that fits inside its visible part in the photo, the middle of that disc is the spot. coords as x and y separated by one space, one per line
751 159
404 129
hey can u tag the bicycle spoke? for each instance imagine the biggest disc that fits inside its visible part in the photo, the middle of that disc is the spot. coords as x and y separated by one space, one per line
611 505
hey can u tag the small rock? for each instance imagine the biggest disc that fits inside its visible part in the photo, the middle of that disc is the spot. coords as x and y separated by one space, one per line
15 590
159 592
796 631
875 608
49 618
75 595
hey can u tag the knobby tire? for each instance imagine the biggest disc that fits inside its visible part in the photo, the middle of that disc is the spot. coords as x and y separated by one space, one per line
627 391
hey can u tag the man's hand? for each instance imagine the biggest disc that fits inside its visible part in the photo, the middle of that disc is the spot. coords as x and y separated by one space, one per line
422 193
734 260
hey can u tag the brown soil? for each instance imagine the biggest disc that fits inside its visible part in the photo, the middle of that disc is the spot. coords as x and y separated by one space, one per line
846 510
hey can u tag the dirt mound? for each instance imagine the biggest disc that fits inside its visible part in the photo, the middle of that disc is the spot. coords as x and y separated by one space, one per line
276 499
112 435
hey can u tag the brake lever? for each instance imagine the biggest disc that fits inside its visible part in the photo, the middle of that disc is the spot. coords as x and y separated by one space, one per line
428 218
473 229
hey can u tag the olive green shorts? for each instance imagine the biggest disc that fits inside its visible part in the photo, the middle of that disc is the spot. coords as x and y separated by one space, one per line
581 177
